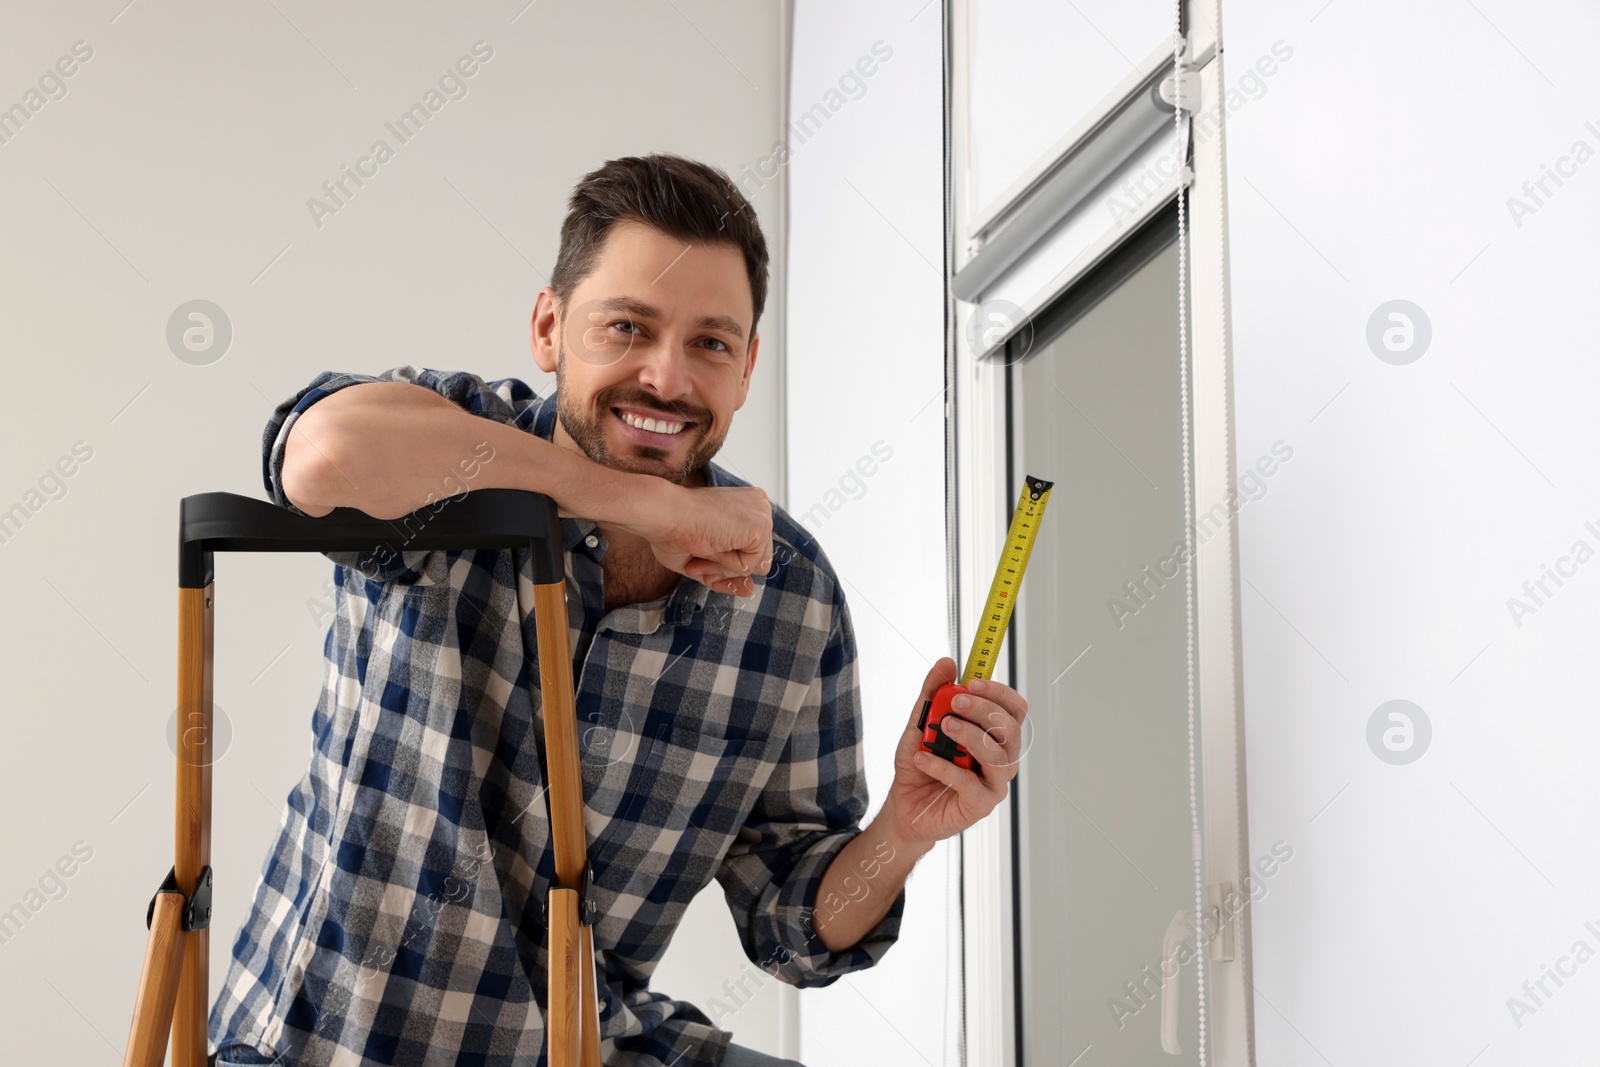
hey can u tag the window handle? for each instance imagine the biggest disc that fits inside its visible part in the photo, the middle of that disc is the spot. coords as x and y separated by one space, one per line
1177 930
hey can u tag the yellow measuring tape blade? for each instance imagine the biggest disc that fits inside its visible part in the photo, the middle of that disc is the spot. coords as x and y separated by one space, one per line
1007 578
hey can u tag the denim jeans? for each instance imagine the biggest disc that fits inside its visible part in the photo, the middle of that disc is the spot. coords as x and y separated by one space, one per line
737 1056
239 1056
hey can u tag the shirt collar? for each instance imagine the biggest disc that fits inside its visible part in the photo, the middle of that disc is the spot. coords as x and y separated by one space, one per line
689 595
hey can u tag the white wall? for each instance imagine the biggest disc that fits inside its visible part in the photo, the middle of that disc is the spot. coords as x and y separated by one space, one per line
866 365
178 166
1376 164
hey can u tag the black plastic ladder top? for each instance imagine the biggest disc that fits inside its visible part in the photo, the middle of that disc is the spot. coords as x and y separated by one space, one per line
481 518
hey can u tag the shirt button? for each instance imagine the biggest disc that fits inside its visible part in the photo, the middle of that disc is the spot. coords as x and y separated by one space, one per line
592 541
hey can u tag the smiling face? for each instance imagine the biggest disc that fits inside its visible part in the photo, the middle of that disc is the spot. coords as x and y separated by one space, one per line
652 354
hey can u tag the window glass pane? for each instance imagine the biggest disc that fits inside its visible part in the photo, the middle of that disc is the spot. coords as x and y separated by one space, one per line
1104 862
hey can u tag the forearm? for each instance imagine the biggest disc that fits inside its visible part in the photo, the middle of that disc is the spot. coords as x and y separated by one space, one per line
389 448
862 882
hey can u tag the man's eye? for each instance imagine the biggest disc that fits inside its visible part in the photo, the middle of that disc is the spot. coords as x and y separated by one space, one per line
625 322
717 341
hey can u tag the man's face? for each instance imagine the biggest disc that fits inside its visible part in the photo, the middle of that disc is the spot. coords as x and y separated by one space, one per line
657 331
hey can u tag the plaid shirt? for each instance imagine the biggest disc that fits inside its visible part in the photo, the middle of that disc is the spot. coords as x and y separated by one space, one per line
397 917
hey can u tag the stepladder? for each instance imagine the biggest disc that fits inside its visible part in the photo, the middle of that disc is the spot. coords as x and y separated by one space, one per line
172 1004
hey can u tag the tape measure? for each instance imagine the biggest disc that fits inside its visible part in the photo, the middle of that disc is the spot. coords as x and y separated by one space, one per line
992 626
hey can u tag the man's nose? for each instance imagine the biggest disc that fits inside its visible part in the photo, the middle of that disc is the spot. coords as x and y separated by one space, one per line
666 369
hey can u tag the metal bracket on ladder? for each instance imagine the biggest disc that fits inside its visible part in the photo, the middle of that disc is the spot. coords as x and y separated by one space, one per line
196 906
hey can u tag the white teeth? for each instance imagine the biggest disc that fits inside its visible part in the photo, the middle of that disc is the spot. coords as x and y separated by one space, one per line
653 425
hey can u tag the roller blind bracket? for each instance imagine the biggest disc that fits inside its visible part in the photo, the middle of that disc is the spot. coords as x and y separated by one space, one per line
1187 94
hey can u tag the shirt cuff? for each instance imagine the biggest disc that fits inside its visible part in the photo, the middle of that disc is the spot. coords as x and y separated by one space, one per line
386 563
275 437
802 958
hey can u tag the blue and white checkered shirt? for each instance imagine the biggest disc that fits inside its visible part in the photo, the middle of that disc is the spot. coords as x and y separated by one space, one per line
397 919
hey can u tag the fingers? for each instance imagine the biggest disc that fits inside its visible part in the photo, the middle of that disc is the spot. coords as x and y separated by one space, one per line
991 740
707 573
722 535
756 560
974 792
723 566
730 564
1003 695
742 562
989 727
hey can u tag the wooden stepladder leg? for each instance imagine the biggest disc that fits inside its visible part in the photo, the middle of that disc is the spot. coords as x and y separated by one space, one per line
158 984
193 820
573 1026
589 999
174 984
561 1022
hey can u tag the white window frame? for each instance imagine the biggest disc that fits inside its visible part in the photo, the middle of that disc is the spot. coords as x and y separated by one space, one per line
981 495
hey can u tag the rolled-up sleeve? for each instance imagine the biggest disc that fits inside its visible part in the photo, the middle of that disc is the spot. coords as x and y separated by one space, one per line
810 809
498 400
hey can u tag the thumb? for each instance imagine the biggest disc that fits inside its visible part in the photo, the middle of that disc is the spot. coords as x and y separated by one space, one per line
942 671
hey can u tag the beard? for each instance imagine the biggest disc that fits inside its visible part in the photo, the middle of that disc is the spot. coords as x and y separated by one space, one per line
588 429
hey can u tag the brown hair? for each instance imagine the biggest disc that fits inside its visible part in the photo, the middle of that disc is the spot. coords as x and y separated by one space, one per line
682 198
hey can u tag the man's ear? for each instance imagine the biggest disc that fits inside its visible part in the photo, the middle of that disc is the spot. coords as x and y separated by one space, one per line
543 330
749 370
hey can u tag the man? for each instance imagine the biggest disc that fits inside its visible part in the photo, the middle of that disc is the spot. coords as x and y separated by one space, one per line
398 916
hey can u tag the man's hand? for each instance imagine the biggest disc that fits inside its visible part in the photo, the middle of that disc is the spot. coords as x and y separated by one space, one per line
718 535
933 798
